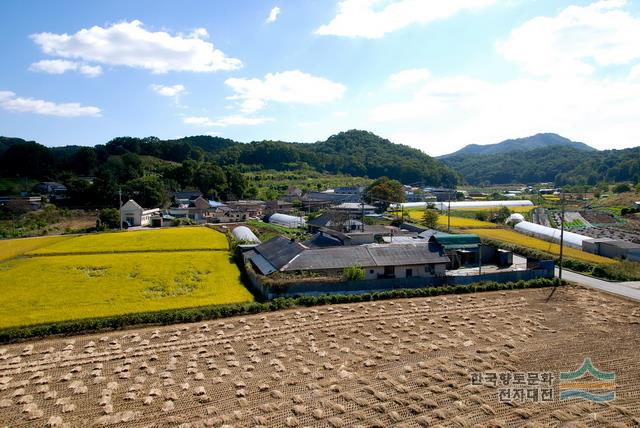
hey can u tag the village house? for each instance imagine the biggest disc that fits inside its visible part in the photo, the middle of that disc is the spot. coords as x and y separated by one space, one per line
283 207
252 208
132 214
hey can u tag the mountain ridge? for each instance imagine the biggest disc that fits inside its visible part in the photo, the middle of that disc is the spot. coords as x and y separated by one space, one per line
524 144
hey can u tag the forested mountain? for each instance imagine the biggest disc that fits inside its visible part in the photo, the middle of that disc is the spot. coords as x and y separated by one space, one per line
150 166
562 165
538 141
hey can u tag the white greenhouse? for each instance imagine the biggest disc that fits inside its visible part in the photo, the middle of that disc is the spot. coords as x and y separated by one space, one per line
465 204
245 235
550 234
285 220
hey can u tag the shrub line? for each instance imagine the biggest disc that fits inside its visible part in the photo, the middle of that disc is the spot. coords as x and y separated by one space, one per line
178 316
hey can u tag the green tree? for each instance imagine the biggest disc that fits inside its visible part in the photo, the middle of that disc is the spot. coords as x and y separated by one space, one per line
108 218
430 218
237 184
621 188
148 191
502 215
384 191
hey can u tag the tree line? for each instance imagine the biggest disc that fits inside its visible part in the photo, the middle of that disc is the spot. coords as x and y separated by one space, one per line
149 169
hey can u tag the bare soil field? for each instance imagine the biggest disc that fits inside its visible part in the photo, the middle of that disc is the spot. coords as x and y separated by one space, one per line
389 363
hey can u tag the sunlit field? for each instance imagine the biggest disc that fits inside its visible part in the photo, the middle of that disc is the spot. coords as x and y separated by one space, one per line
170 239
51 283
512 237
418 215
10 248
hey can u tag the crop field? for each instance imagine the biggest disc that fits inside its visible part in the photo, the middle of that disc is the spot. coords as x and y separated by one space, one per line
58 285
394 363
512 237
169 239
517 209
417 215
10 248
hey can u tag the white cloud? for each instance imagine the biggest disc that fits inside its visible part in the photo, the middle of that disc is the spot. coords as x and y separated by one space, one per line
374 18
9 101
61 66
168 91
290 87
273 15
90 70
231 120
408 77
129 44
576 41
448 113
198 121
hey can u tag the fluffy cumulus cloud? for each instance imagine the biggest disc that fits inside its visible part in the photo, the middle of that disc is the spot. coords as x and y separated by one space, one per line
61 66
9 101
290 87
409 77
231 120
273 15
375 18
565 86
168 91
130 44
576 41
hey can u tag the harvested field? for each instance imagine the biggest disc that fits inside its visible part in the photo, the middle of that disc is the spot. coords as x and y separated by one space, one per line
403 363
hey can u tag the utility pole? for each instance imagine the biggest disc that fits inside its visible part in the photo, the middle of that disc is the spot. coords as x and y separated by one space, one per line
362 215
120 205
449 214
561 233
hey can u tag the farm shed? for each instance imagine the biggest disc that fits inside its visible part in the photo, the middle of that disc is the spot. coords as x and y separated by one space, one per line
132 213
286 220
245 235
378 261
613 248
466 204
271 256
550 234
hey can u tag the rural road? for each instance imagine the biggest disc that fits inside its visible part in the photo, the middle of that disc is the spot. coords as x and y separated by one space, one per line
630 290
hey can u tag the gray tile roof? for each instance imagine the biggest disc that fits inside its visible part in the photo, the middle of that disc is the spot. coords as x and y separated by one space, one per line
279 251
365 256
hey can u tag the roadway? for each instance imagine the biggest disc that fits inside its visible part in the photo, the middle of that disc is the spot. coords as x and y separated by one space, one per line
629 290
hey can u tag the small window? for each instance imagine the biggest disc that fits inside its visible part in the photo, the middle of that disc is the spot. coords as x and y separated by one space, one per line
370 270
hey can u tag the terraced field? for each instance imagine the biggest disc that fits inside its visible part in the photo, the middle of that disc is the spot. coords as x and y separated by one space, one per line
394 363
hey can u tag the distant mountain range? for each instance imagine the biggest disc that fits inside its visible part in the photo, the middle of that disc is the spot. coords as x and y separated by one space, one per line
543 158
538 141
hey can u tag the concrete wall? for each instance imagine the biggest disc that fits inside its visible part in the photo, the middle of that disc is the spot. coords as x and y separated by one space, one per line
544 269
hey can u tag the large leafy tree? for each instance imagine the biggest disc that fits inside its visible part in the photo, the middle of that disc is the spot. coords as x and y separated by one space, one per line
384 191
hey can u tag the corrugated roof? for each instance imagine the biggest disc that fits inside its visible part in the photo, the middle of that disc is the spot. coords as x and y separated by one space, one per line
366 256
451 241
279 251
321 240
263 265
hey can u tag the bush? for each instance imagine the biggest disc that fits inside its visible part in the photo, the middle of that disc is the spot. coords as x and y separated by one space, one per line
353 273
108 218
621 188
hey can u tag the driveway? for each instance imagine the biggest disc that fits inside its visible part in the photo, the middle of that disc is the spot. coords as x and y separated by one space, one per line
629 290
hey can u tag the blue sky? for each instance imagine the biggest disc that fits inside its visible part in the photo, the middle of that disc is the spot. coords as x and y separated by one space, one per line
433 75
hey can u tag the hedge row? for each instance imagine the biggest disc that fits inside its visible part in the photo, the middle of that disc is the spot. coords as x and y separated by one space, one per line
609 272
220 311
